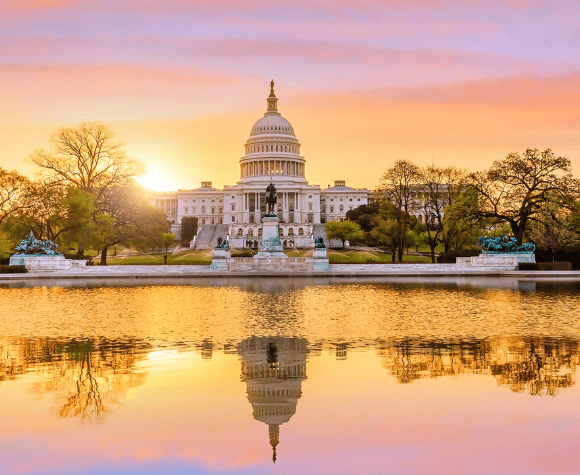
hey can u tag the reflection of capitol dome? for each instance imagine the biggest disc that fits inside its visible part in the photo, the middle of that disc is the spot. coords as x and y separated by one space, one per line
273 369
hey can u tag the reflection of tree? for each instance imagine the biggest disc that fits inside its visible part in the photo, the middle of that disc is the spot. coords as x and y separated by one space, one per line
533 365
87 374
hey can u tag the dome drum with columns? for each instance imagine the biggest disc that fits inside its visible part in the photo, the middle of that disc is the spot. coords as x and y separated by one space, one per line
272 154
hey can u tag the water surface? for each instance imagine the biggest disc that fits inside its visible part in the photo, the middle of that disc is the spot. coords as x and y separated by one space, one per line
294 378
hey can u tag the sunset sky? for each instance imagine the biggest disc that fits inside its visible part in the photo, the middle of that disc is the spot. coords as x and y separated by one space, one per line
363 82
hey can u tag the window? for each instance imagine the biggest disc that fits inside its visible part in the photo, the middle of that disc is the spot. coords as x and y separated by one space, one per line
233 206
212 210
332 209
186 209
301 232
203 221
240 232
250 232
260 232
358 199
350 199
309 206
331 199
310 196
341 208
291 232
233 219
203 210
220 210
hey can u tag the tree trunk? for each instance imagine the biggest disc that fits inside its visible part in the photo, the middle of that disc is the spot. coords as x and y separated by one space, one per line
432 254
343 241
80 250
104 255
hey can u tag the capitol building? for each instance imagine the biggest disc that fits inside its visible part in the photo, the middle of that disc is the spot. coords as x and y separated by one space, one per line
272 155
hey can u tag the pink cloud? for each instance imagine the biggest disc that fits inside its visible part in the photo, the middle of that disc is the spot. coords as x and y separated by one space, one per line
30 5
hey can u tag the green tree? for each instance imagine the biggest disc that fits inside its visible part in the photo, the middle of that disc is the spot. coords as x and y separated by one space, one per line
129 218
168 239
6 246
363 215
343 230
188 229
515 189
460 226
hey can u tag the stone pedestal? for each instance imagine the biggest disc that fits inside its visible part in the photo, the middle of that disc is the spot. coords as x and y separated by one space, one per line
220 259
320 259
507 261
270 246
41 263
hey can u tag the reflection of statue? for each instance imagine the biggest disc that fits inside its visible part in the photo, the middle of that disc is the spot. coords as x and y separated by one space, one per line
38 247
271 199
273 369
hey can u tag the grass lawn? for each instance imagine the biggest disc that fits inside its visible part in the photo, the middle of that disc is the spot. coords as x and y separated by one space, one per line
203 257
336 256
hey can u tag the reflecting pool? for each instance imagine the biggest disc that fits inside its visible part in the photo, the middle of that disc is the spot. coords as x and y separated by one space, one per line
290 379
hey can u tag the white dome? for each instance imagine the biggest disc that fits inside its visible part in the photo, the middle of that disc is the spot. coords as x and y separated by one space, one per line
272 124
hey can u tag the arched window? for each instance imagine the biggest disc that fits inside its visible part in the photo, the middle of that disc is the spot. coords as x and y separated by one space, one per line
203 210
276 148
250 232
291 232
300 232
332 209
240 232
341 208
260 232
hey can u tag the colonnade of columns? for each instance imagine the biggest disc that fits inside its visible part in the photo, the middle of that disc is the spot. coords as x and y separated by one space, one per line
272 167
284 198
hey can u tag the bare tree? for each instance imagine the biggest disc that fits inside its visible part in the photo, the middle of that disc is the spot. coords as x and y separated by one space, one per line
515 189
440 188
87 158
399 185
13 190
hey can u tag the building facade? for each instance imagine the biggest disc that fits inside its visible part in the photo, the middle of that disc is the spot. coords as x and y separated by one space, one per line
272 155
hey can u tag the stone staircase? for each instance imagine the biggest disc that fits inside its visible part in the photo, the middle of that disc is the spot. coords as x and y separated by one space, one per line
204 237
219 230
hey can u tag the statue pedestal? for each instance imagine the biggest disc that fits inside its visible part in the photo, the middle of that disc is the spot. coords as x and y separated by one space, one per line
320 259
41 263
220 258
270 246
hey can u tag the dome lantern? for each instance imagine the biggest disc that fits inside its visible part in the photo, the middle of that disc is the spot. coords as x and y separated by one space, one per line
272 99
